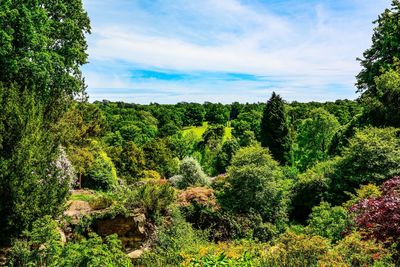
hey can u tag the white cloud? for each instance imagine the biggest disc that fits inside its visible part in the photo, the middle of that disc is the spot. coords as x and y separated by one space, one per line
228 36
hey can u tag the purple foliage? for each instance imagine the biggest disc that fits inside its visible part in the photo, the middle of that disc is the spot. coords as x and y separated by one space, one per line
379 217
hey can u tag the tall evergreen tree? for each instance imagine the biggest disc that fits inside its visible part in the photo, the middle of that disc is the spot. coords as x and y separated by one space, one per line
274 128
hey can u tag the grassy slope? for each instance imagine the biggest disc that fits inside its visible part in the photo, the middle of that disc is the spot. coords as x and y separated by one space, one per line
199 130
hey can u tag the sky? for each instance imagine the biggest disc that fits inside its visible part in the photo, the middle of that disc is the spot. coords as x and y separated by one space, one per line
169 51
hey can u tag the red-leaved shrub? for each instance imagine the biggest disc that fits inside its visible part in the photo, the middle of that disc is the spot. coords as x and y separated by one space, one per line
379 217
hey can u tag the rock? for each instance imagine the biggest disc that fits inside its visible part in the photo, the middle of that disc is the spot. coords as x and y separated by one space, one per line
135 254
130 230
77 209
140 220
63 236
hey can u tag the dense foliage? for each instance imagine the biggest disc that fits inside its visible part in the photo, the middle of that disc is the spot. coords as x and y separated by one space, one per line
189 184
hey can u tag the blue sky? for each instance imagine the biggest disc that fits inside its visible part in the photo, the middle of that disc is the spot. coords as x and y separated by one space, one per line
168 51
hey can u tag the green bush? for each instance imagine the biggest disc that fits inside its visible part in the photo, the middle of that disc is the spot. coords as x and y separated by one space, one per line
175 239
373 155
311 188
256 185
93 251
42 246
153 197
296 250
38 246
329 222
244 260
190 174
100 201
102 174
352 250
200 208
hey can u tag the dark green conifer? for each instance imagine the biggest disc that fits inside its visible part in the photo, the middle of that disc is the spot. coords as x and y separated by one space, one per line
274 128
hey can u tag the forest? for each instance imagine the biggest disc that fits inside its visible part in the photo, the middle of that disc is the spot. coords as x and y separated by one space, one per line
272 183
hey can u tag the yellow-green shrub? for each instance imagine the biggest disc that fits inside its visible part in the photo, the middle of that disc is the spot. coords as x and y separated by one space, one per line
354 251
296 250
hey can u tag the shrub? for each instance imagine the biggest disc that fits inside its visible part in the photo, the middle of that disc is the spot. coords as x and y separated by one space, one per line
39 246
256 185
151 175
311 188
93 251
175 239
102 174
190 174
42 246
200 208
100 201
364 192
352 250
372 156
200 196
153 197
296 250
245 260
329 222
379 217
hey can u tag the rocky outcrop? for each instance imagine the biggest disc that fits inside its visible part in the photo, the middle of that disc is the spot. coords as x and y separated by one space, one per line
135 254
77 209
130 229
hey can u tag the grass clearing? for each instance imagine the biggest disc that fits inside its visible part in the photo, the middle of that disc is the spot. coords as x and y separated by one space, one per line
82 197
198 131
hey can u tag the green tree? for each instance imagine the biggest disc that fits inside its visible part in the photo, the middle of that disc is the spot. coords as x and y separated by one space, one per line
383 52
314 138
34 174
42 46
194 114
372 156
216 113
101 174
160 158
247 121
312 187
213 136
129 161
224 156
274 128
183 145
383 108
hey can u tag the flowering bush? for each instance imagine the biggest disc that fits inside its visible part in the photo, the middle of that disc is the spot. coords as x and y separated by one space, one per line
201 196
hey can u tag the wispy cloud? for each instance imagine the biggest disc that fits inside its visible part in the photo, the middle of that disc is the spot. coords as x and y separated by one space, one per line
227 50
